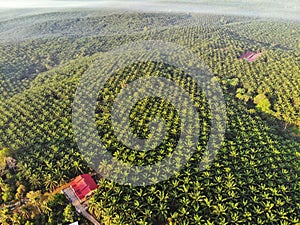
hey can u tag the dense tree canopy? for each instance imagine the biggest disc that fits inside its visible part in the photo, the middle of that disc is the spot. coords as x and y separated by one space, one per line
255 177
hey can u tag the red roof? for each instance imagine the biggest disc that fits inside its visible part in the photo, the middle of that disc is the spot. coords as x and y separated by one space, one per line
251 56
83 185
247 55
254 57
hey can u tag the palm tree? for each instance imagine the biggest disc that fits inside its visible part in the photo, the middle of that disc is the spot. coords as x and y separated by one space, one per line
35 181
77 165
92 205
49 182
25 212
5 217
20 192
36 199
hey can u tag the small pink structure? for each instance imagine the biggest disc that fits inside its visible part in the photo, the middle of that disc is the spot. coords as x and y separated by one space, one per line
251 56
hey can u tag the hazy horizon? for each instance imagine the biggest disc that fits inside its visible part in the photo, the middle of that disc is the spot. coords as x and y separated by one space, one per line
262 8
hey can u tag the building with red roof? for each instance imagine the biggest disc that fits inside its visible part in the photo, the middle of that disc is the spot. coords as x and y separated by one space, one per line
83 186
251 56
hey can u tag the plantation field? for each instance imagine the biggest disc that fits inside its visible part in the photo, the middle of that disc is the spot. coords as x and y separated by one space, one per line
255 177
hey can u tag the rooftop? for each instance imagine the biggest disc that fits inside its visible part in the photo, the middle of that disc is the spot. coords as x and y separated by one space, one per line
251 56
83 185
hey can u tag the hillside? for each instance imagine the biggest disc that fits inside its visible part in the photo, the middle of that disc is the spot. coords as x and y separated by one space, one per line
255 176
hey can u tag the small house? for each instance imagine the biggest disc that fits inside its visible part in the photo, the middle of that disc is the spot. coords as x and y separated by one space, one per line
251 56
83 186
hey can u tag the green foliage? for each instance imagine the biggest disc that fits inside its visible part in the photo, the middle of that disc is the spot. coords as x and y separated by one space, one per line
233 82
255 178
7 193
69 213
4 153
262 103
20 192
